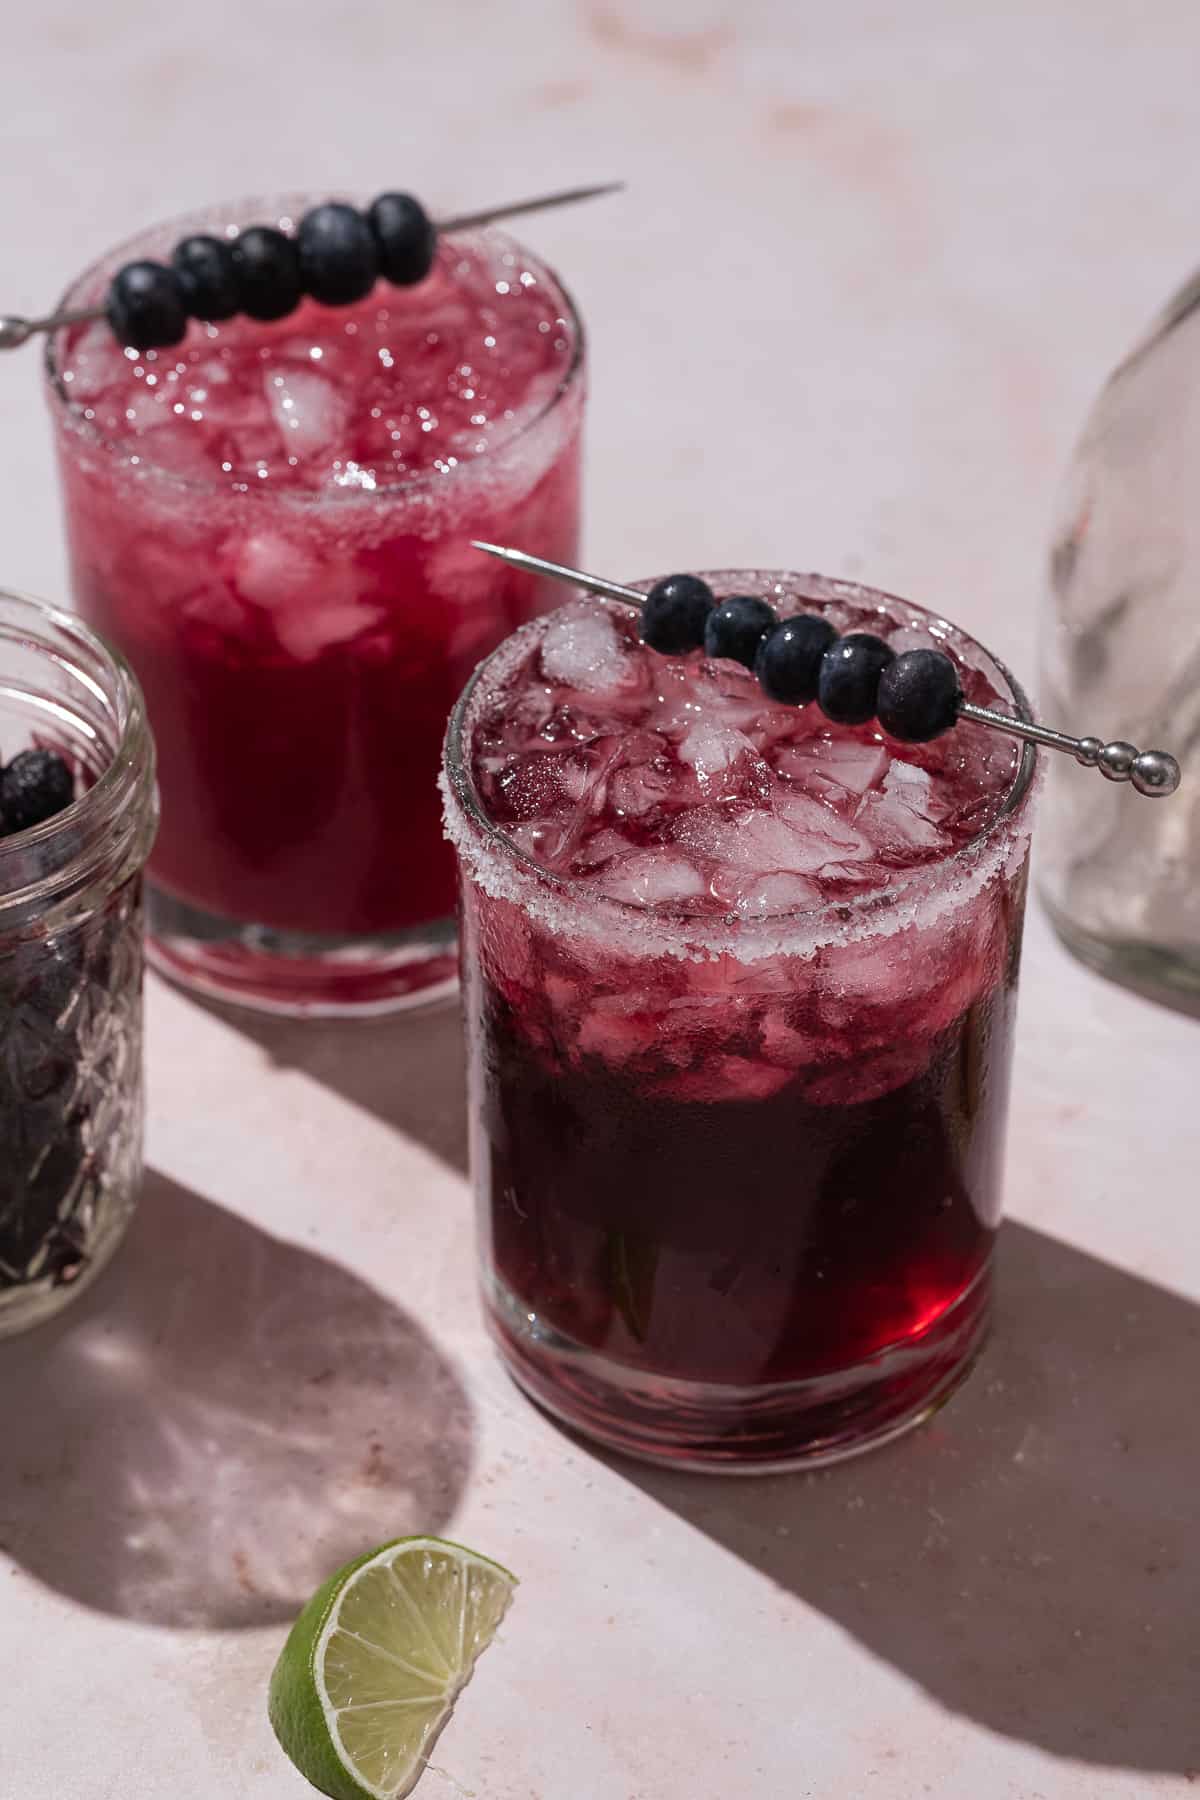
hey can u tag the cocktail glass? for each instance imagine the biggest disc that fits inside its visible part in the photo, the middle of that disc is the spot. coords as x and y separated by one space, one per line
739 995
272 522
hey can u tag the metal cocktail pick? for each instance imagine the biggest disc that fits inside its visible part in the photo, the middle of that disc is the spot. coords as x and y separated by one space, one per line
14 330
1154 773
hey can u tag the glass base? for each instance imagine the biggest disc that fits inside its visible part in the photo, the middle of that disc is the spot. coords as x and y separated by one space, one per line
741 1430
1170 977
294 972
30 1303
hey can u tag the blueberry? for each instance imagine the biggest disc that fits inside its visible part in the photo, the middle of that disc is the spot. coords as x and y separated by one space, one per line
406 236
266 267
146 306
737 627
206 274
675 612
918 696
339 260
35 785
849 681
788 664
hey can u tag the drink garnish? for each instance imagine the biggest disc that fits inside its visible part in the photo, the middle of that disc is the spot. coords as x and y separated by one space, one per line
915 695
336 255
375 1662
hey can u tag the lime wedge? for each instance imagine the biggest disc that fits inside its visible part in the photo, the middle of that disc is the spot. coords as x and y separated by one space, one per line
373 1665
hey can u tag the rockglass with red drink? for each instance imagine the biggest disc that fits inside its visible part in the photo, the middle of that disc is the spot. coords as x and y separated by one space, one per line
740 988
271 520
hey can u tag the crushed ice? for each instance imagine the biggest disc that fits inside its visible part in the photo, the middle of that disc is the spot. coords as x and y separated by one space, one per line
582 649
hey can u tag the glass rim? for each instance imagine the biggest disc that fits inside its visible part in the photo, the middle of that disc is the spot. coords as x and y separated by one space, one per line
96 811
860 911
284 206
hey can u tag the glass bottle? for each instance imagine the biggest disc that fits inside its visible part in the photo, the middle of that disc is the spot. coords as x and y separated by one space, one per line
1121 657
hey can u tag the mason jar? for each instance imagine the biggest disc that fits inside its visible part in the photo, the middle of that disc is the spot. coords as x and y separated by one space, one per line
70 963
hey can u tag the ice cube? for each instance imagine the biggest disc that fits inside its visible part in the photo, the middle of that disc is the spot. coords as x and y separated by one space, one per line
677 702
786 1047
305 632
728 1078
615 1036
852 765
726 763
599 848
635 792
869 988
897 819
760 842
862 1078
93 363
164 570
826 835
764 895
220 611
896 830
212 373
306 406
651 878
147 411
711 748
544 840
182 453
273 571
314 604
581 648
548 782
728 695
910 784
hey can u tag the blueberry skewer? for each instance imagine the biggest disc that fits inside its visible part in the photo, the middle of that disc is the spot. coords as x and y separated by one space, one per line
336 256
915 696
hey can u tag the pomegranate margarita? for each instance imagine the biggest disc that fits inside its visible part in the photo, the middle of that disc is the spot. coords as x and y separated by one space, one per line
271 519
740 987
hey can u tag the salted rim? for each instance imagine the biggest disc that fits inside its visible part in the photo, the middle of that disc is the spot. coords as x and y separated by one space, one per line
572 905
284 207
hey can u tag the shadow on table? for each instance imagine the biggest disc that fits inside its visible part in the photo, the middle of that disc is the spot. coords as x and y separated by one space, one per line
409 1069
1030 1558
219 1423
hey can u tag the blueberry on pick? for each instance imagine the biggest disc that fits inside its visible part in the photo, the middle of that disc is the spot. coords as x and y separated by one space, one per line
918 696
339 258
35 785
675 613
204 266
266 267
406 238
737 627
788 664
849 681
146 307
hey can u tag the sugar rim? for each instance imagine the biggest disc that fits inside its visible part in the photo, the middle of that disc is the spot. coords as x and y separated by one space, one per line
283 207
571 905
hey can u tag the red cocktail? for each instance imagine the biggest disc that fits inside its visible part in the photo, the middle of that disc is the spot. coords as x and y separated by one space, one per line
272 522
740 987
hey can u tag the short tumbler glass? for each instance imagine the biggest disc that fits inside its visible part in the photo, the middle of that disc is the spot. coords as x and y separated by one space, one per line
300 650
787 1267
70 964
